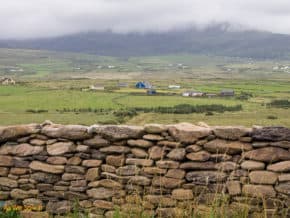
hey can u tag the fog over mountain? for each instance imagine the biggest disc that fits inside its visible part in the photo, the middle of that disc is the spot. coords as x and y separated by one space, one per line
245 28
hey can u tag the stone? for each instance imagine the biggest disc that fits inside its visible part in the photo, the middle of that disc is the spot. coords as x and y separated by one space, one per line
6 182
205 177
162 200
281 144
188 133
263 177
139 180
166 182
234 188
175 173
176 154
60 148
282 167
74 161
78 183
116 161
209 165
47 168
59 207
220 157
167 164
96 142
271 134
115 149
21 194
139 162
4 171
18 171
227 147
30 214
268 154
152 137
20 162
92 174
182 194
140 143
82 148
260 144
14 132
284 177
108 168
33 202
193 148
56 160
45 177
6 161
21 150
231 132
283 188
100 193
139 153
226 166
117 132
169 144
155 128
75 169
71 132
37 142
107 205
198 156
252 165
259 191
71 176
108 183
91 163
154 170
156 153
129 170
68 195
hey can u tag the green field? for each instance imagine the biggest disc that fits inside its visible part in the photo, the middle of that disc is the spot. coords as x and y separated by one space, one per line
51 86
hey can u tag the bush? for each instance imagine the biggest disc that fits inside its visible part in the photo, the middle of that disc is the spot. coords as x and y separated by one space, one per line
36 111
271 117
283 103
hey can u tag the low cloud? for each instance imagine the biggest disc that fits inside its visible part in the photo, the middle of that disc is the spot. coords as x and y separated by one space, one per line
46 18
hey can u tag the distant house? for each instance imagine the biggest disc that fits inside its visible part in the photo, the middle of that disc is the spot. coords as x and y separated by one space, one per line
227 92
143 85
123 85
7 81
97 87
151 92
210 95
174 86
192 94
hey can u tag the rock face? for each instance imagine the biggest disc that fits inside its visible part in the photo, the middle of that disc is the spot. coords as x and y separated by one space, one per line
155 169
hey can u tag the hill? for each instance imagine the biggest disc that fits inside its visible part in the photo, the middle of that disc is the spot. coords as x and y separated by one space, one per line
215 40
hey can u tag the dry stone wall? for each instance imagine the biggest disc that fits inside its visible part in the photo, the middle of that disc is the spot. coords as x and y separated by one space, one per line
109 167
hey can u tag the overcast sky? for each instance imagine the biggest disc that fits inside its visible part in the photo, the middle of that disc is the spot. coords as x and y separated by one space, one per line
45 18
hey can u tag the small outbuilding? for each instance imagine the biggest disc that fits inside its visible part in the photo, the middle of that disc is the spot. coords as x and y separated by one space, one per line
174 86
143 85
193 94
7 81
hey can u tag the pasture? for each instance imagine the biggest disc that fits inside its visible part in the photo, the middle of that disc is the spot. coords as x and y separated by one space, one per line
50 85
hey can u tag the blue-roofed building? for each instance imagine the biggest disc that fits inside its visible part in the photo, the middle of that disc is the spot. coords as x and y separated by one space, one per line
143 85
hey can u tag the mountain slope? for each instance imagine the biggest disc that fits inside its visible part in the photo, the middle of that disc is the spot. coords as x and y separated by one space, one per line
214 40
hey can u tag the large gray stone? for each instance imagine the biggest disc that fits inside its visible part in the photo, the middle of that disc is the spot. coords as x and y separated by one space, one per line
21 194
72 132
100 193
231 132
59 207
271 134
198 156
6 161
188 133
261 191
6 182
13 132
117 132
263 177
96 142
155 128
283 188
252 165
